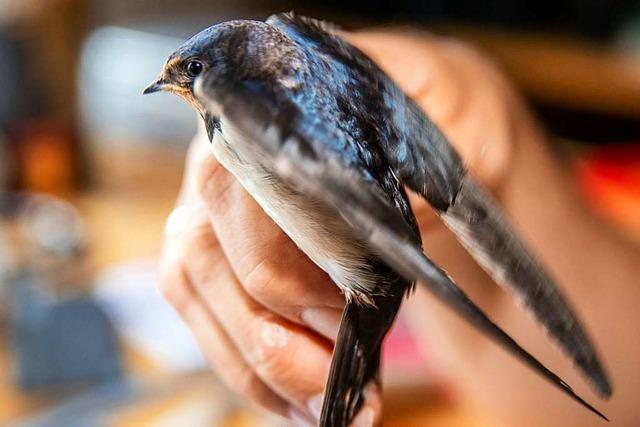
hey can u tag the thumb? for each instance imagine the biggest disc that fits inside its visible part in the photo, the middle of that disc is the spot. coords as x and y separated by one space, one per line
371 413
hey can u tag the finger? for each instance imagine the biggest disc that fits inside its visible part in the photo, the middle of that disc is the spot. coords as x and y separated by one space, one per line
227 360
278 351
267 263
371 413
218 349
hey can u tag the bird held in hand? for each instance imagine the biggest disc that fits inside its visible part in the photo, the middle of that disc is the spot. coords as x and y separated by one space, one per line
326 143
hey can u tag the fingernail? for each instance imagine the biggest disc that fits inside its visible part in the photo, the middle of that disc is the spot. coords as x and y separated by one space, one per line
315 405
364 418
298 419
325 321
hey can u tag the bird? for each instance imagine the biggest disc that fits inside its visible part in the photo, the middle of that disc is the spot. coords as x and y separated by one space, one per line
328 144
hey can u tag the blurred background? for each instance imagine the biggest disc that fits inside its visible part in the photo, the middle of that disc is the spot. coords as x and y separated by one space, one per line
89 170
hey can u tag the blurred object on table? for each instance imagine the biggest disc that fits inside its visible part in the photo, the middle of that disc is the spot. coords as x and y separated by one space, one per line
610 178
51 241
53 226
12 108
60 344
6 165
39 43
45 156
8 272
60 338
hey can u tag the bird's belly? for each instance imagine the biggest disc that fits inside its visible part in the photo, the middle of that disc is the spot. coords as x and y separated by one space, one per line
319 232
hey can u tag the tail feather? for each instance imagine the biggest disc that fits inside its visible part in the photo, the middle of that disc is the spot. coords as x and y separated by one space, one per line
356 360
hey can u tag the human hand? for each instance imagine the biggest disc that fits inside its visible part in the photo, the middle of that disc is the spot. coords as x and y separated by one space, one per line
264 315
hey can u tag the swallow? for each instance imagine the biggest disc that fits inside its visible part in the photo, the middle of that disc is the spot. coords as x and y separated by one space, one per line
326 143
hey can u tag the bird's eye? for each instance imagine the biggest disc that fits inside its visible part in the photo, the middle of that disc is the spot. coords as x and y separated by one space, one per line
194 68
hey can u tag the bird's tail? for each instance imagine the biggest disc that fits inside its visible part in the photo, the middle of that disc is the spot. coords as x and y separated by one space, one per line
356 360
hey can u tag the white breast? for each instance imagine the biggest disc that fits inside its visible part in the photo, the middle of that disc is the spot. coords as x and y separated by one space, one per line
325 238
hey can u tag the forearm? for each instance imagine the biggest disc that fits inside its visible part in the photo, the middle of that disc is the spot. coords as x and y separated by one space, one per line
595 267
585 254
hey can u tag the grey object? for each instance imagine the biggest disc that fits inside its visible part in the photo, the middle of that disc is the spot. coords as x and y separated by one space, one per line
52 225
61 344
56 340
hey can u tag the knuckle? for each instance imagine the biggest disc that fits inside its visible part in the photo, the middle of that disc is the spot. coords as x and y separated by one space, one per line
258 283
213 181
197 241
202 255
272 352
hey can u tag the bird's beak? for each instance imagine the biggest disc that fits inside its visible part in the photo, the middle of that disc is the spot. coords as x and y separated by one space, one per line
154 87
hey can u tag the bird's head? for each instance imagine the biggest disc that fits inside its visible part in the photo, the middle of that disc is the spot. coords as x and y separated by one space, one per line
235 49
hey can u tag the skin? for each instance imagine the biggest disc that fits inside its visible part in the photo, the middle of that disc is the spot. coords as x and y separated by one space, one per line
263 314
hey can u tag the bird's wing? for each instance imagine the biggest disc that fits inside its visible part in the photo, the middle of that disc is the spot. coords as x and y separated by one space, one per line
477 221
425 162
290 148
